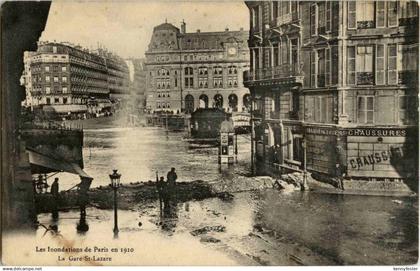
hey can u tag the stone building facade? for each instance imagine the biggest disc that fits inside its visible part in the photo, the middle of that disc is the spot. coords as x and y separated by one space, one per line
335 86
67 78
186 71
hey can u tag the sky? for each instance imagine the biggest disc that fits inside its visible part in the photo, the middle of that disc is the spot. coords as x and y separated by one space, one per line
125 27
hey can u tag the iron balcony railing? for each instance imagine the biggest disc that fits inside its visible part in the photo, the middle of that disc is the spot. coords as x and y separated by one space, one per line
278 72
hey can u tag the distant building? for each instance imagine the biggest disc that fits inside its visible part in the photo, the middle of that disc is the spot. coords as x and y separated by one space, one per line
339 78
65 78
186 71
137 84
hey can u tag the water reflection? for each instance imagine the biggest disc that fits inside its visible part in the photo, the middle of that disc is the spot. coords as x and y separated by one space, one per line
138 152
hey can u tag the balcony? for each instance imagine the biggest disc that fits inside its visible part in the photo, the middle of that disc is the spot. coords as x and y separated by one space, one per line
365 24
407 77
294 115
284 74
365 78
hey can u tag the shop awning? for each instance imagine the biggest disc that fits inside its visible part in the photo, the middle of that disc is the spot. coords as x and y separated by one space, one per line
42 163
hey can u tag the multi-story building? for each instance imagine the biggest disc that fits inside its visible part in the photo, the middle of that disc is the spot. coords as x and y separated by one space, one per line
65 78
335 86
137 83
191 70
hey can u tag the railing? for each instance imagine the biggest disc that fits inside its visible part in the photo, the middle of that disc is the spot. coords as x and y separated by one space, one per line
365 78
283 71
407 77
365 24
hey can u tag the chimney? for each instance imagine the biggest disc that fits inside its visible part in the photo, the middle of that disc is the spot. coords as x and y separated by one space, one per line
226 29
198 30
183 27
241 29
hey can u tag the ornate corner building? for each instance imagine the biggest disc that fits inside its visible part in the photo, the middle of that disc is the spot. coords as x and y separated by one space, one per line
335 83
186 71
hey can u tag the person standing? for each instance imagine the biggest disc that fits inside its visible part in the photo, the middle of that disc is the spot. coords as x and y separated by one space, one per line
171 177
54 192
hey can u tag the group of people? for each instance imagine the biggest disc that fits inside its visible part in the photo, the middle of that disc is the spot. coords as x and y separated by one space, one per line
166 190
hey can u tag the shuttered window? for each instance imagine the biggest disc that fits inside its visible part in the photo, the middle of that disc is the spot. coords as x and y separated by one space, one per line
380 64
313 69
351 65
327 66
328 16
313 20
351 14
392 64
392 13
334 65
380 14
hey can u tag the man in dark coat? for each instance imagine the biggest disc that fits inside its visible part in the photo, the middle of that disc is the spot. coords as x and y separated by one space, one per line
54 192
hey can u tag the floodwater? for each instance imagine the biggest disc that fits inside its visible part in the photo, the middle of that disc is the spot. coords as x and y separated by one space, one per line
138 152
261 228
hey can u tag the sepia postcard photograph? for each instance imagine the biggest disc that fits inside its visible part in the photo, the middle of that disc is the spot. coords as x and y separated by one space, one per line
210 133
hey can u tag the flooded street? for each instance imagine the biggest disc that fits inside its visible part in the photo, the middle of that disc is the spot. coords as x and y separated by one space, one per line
253 228
138 152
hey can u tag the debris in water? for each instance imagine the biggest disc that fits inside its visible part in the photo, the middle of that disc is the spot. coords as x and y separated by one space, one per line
207 229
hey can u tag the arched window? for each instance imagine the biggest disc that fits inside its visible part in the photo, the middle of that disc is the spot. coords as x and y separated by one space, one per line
189 104
246 101
204 101
218 101
233 102
232 77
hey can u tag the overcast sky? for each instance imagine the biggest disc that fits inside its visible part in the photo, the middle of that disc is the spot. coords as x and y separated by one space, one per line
126 27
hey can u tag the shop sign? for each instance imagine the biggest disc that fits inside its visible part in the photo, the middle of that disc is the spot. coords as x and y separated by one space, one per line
376 132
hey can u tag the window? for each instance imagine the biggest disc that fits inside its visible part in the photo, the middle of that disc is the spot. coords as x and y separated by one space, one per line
380 14
256 17
321 18
322 109
48 100
47 68
313 20
365 109
407 109
284 52
189 77
276 55
202 82
55 79
232 70
47 90
64 89
392 13
275 9
297 152
351 65
392 64
313 69
408 12
364 59
64 100
380 64
202 71
56 100
218 82
47 78
63 68
407 64
321 68
365 14
364 65
64 79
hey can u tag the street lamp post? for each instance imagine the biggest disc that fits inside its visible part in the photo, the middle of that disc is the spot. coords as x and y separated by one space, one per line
115 183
